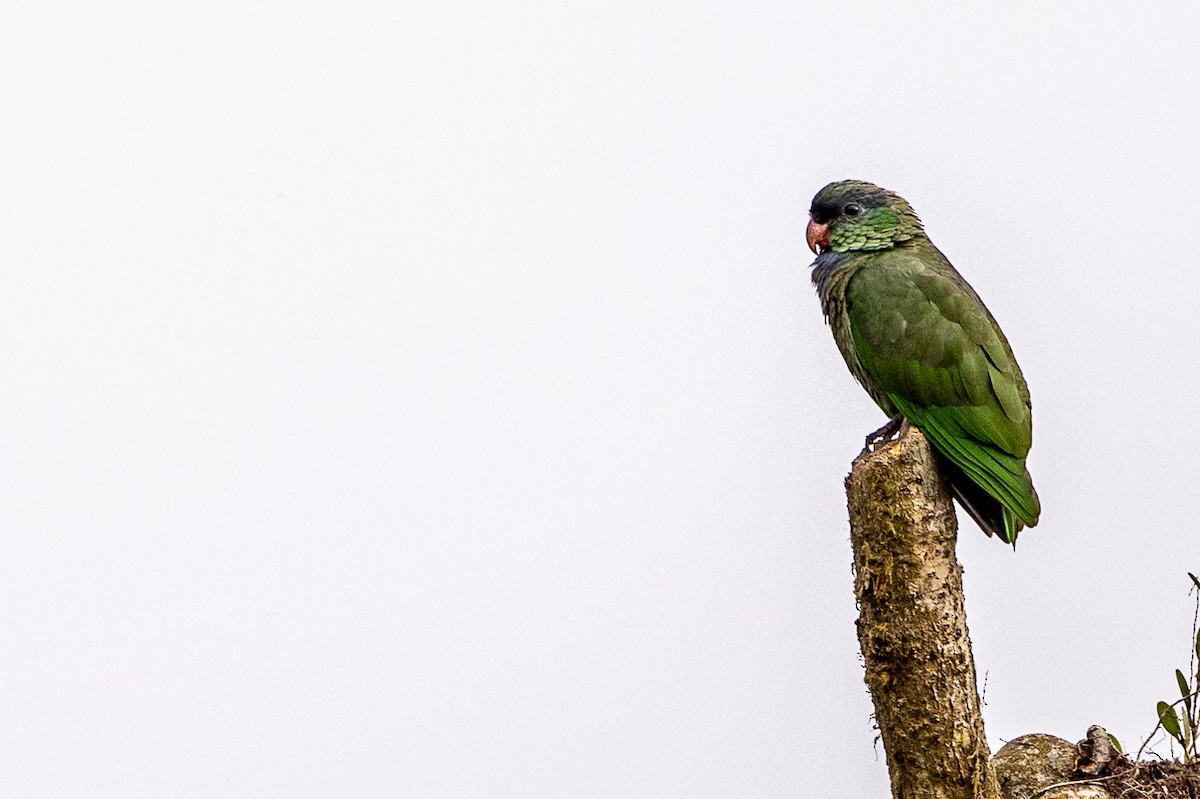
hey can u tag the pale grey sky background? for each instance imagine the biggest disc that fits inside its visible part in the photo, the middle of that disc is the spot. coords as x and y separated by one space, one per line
430 400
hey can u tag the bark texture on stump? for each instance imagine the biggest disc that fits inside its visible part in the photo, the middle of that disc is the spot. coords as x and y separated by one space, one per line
912 626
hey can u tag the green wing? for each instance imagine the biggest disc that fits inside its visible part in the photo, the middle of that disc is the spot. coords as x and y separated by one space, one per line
926 343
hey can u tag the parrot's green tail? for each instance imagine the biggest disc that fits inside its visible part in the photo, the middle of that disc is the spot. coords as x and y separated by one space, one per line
987 511
993 485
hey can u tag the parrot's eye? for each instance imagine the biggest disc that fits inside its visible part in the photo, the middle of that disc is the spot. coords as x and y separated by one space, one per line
852 210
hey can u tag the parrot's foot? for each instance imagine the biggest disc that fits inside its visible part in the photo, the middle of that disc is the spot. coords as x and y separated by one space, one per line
894 429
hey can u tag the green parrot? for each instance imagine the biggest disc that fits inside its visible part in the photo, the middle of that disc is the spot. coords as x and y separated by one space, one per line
926 348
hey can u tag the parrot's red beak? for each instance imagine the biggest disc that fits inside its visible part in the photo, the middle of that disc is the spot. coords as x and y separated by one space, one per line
817 235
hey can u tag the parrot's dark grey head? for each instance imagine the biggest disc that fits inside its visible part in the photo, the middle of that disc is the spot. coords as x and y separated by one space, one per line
853 215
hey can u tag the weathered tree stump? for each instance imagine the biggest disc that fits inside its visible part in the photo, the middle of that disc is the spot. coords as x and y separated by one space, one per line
912 626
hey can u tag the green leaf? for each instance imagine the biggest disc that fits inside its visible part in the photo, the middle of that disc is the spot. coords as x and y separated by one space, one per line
1185 691
1195 580
1170 721
1116 744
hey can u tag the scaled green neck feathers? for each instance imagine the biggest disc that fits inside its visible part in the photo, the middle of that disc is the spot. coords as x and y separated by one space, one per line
884 220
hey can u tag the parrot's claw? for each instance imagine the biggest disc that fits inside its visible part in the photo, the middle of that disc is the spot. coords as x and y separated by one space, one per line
894 428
